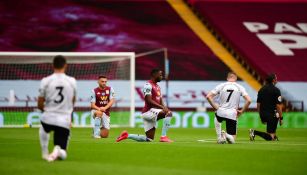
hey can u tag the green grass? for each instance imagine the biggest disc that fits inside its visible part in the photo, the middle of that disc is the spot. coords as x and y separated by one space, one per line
20 154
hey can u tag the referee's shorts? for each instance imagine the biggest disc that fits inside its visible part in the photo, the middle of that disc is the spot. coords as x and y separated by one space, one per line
271 121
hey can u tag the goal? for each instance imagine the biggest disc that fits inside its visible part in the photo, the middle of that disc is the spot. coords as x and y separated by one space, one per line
21 72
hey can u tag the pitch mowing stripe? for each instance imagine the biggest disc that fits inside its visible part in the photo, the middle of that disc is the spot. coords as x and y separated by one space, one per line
240 141
205 36
211 141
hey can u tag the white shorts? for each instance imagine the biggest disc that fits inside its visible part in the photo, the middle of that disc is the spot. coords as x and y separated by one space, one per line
150 118
105 120
227 113
56 119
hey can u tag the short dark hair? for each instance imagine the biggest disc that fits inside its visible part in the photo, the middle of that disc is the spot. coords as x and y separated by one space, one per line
231 73
59 62
154 71
269 79
101 76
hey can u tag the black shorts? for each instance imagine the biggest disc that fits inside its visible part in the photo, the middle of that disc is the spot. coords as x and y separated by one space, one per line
270 120
60 136
231 125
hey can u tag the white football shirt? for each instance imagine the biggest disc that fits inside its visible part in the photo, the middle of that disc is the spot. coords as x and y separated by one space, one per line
58 89
229 98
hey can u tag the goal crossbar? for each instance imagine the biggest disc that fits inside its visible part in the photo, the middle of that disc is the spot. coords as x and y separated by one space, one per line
72 57
77 58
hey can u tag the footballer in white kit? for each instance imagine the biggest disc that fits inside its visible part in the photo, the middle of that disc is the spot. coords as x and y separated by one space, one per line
227 109
56 99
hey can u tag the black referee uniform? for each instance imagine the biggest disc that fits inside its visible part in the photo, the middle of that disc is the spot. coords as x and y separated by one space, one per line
268 97
268 104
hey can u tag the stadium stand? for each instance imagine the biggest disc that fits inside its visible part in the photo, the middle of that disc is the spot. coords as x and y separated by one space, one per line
265 36
107 26
93 26
280 20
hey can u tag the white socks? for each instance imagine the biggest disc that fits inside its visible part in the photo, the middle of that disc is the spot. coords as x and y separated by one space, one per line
218 128
138 138
97 125
166 124
44 141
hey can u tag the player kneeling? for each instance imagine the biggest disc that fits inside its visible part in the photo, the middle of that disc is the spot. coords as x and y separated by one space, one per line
153 111
227 107
57 94
102 99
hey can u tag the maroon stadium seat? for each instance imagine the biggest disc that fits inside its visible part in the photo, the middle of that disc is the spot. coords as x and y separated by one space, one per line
279 24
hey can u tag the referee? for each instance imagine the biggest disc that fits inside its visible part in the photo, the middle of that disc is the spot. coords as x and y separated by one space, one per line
270 109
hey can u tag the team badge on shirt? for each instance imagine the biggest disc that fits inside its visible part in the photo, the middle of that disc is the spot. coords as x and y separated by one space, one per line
279 99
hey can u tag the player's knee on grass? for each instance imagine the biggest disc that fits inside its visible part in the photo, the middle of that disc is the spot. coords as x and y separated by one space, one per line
104 133
62 154
232 139
151 133
273 136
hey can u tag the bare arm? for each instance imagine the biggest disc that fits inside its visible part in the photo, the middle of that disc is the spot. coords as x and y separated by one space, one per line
165 109
279 111
74 100
246 105
109 105
41 103
210 97
162 102
149 100
93 106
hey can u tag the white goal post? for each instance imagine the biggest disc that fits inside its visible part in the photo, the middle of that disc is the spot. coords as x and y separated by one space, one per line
27 68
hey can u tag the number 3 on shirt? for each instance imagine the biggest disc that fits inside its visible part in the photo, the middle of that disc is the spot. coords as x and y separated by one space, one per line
60 96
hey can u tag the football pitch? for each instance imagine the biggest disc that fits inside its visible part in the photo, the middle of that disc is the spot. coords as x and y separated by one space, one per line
194 152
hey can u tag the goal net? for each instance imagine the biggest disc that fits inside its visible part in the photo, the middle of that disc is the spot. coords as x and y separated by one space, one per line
21 72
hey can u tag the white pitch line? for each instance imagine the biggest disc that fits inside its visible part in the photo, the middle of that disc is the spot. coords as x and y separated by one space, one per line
241 141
